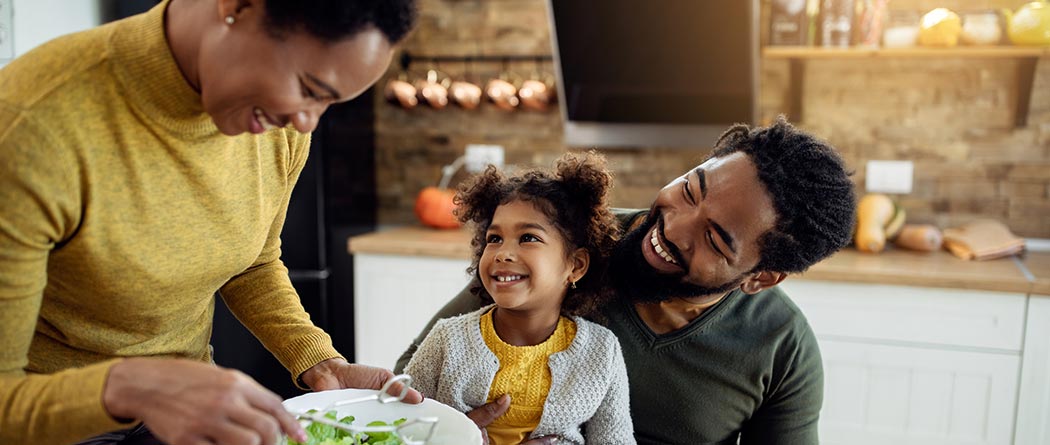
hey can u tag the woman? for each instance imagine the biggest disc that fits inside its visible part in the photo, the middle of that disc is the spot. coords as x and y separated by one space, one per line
147 164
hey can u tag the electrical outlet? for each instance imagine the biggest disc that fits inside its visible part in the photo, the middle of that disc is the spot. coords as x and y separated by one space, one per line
889 177
481 156
7 30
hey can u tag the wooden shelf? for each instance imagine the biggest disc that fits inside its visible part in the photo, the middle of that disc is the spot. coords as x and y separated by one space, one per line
984 52
797 56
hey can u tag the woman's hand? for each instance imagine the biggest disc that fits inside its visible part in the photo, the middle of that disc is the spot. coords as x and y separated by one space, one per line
189 403
336 373
489 412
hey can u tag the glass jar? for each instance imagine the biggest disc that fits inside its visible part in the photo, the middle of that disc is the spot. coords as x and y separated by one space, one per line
871 18
901 30
789 24
836 23
981 28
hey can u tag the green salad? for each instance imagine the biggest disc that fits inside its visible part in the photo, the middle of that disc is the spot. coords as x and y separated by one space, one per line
321 434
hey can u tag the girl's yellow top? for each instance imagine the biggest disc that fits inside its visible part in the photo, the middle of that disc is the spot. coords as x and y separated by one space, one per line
525 375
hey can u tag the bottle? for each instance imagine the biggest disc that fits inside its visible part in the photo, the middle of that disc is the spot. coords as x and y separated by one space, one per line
871 17
836 23
788 23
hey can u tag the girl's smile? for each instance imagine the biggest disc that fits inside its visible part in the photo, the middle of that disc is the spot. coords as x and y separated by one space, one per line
525 265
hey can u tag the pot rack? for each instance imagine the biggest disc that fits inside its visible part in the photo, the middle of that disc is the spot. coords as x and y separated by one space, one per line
408 58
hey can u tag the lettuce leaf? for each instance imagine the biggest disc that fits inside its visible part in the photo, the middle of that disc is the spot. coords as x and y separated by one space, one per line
321 434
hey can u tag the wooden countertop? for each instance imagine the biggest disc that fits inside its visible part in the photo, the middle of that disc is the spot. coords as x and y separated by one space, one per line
900 267
932 269
1038 264
414 240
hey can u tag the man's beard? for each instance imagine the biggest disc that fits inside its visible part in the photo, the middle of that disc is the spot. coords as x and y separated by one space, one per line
634 278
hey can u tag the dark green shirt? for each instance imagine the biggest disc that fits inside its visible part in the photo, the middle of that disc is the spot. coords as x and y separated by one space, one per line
748 368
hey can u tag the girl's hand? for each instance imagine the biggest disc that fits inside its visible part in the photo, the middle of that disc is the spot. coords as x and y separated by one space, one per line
489 412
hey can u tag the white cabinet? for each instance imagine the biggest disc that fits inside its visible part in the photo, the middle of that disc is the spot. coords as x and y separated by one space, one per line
395 297
911 365
879 394
903 365
1033 410
950 317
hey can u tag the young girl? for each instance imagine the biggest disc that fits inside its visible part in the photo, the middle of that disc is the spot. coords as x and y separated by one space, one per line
537 234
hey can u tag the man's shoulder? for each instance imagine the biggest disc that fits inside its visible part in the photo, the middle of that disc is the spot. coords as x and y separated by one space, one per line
627 216
771 312
775 302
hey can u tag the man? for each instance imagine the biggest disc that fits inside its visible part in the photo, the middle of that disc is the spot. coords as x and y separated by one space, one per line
715 352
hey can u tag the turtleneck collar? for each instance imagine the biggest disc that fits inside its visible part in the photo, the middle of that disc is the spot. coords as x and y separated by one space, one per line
153 84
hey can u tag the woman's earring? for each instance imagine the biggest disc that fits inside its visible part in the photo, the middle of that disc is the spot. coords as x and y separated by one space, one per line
572 285
230 20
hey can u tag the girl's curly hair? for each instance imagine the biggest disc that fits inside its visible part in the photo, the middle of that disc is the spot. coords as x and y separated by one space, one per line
574 197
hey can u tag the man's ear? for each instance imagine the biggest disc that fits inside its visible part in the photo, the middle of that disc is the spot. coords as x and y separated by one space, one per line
760 281
581 260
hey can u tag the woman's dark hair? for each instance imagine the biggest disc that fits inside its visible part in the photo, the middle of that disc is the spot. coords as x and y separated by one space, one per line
810 188
573 196
334 20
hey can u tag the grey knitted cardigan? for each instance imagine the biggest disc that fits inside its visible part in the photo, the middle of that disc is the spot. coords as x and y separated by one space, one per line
588 398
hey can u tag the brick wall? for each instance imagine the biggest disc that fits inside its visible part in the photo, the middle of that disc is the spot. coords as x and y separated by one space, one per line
953 117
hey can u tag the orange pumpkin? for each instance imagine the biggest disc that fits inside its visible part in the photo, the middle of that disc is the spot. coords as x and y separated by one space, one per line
434 208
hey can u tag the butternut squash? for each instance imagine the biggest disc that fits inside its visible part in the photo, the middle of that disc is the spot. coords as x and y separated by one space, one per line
921 237
874 212
896 223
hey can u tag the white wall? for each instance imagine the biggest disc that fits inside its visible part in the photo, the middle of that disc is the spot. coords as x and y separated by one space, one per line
37 21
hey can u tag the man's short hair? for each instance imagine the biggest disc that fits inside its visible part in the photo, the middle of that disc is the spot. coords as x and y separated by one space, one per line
810 187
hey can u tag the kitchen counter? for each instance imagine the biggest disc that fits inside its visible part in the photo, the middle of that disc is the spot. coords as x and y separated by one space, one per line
415 241
899 267
1038 264
929 269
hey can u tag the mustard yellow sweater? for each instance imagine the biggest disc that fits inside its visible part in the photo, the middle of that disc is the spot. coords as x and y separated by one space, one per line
122 211
524 374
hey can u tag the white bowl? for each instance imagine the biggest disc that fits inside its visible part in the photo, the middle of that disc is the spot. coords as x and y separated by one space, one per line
453 427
